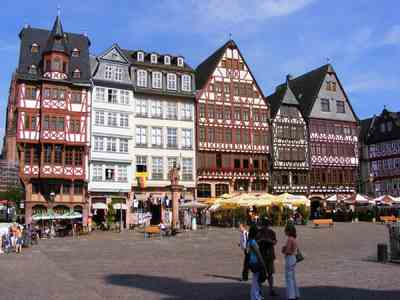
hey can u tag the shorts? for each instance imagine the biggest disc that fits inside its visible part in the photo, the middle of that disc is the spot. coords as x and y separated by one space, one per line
19 241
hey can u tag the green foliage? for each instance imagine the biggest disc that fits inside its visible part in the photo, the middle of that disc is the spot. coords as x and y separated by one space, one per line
14 194
276 215
305 213
110 214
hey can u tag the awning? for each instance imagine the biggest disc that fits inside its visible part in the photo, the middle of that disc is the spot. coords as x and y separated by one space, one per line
118 206
99 205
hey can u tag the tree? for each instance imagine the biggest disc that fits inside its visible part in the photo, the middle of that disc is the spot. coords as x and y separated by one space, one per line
15 195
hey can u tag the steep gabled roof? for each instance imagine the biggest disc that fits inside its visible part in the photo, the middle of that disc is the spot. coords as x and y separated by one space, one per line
283 95
365 128
375 134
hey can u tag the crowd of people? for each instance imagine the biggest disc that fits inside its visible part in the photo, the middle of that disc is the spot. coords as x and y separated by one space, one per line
258 245
14 237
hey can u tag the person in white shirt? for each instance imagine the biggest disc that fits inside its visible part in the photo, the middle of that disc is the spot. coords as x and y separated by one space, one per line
243 246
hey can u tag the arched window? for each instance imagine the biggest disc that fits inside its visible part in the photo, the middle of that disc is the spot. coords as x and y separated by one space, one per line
76 74
56 64
221 189
204 190
32 69
76 52
34 48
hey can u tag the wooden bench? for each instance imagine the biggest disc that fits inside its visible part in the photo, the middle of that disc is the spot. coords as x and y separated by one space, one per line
318 222
151 230
387 219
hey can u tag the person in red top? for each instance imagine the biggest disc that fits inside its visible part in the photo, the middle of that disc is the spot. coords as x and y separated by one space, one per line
290 251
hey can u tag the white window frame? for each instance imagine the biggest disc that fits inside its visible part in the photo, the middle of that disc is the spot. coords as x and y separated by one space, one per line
171 81
99 118
172 110
112 119
141 107
140 56
167 60
171 161
100 94
172 137
98 143
187 138
141 160
156 137
118 74
186 83
124 120
114 96
153 58
187 111
109 72
180 62
122 173
157 168
187 169
156 109
123 145
124 97
141 79
111 144
156 80
97 170
141 136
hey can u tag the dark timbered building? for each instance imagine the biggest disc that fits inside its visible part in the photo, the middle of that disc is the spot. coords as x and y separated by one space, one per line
232 123
290 155
380 154
47 119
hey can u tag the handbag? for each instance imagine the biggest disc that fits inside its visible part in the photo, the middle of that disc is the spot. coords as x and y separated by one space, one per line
299 256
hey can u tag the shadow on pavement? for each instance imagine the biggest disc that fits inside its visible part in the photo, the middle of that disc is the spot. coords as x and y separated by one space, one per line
178 289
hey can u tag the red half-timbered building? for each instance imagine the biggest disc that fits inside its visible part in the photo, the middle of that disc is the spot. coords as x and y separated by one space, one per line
233 136
333 132
48 117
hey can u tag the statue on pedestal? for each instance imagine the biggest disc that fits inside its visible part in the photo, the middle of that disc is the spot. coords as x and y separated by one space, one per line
173 176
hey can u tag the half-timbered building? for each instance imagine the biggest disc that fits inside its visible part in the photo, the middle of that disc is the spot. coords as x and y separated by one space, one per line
333 132
48 117
233 136
380 154
290 155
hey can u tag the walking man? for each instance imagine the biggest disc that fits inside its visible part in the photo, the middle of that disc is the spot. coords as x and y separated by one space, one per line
266 239
243 246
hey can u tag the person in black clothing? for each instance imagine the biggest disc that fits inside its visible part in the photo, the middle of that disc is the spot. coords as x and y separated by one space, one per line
266 239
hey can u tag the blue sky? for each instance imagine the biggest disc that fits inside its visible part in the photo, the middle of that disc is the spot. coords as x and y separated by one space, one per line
360 37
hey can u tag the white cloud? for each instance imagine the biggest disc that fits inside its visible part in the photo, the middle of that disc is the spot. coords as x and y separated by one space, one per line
372 82
392 36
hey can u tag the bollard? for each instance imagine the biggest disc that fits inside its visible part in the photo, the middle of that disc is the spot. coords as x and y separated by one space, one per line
382 253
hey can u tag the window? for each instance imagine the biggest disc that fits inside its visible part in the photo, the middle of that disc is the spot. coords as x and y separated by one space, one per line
98 143
124 97
210 135
76 97
218 112
171 81
245 115
140 56
203 190
202 134
118 74
202 110
153 58
238 116
122 173
210 111
123 145
78 157
236 163
69 156
172 110
141 78
76 74
60 124
187 111
187 169
75 125
109 72
112 96
156 136
99 118
32 69
75 52
100 94
238 136
156 80
167 60
172 163
156 109
47 153
383 127
109 173
180 62
141 107
228 136
227 113
56 64
78 188
97 172
186 138
34 48
325 105
124 120
112 119
389 126
30 92
141 139
141 163
219 136
157 168
111 144
340 107
27 153
186 83
172 138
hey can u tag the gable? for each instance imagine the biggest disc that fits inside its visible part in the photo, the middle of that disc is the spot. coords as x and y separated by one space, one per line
114 54
327 94
289 97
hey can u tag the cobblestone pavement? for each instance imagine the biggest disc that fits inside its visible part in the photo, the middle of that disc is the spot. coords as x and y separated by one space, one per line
339 265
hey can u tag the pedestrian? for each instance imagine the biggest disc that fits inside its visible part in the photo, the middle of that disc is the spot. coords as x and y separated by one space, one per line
289 251
208 218
243 246
266 239
256 265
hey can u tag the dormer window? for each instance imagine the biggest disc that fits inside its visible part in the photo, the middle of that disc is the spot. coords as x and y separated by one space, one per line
76 74
153 58
56 64
76 52
140 56
180 62
167 60
34 48
32 69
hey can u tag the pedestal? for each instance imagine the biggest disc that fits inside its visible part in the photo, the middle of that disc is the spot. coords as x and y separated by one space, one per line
176 191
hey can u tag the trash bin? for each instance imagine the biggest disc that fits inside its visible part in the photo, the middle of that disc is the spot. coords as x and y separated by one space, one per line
382 253
394 235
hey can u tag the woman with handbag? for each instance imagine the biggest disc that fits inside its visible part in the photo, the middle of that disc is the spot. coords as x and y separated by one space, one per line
291 251
256 265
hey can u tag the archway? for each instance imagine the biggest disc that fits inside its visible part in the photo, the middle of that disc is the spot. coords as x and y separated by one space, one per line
61 209
39 209
316 207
